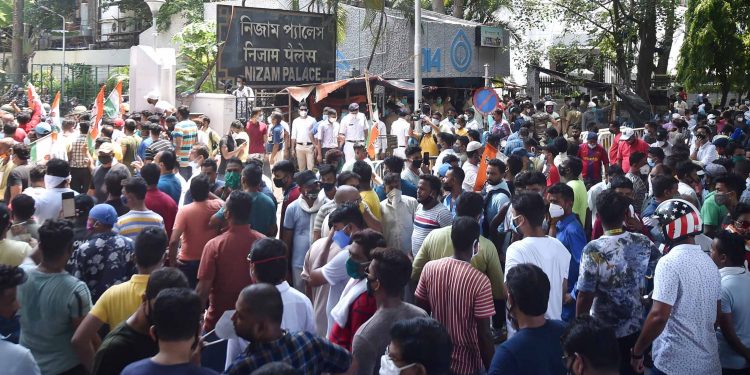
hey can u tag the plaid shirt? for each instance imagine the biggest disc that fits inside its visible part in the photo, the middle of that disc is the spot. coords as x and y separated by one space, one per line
79 152
310 354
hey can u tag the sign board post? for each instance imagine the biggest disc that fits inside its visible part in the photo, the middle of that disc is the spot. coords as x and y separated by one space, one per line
486 100
275 48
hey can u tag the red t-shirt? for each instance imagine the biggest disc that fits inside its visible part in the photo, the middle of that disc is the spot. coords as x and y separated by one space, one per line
224 261
593 159
626 149
361 310
161 203
257 134
553 176
614 150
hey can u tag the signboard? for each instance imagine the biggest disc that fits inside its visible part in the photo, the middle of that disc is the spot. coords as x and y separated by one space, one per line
485 100
275 47
488 36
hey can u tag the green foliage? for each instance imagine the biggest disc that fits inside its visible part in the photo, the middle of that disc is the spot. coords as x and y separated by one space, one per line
197 54
715 50
81 83
121 73
191 10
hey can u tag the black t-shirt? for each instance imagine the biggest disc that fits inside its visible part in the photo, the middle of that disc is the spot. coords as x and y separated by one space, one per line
97 180
228 141
122 347
120 208
18 176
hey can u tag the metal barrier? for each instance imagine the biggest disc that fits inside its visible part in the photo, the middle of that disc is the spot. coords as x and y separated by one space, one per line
264 100
605 138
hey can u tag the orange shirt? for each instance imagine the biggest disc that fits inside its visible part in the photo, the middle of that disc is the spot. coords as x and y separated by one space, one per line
192 220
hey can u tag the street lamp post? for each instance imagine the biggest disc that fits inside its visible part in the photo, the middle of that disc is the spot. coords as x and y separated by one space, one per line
154 6
63 31
417 55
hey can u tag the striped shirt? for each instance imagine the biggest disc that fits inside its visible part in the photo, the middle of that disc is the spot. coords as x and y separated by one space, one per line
157 147
187 131
132 223
425 221
458 296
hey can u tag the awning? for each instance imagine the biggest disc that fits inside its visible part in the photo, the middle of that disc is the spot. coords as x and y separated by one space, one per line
300 93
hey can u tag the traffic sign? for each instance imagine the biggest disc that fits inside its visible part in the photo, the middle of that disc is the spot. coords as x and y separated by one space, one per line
486 100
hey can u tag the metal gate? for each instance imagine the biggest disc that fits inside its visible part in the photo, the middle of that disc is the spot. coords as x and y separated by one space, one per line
82 82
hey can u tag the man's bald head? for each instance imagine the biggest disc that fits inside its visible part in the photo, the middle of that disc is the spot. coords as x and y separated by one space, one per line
262 301
7 118
346 194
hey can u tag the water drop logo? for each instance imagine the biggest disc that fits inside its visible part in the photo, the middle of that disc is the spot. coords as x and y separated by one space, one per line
461 52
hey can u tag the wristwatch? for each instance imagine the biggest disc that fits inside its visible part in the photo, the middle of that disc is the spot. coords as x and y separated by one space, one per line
634 356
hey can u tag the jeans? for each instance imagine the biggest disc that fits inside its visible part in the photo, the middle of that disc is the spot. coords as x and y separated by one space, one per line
190 269
626 343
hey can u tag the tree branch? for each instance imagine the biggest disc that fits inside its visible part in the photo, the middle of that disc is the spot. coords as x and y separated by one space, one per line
585 18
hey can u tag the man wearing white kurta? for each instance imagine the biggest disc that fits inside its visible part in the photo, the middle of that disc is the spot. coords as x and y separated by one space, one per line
352 130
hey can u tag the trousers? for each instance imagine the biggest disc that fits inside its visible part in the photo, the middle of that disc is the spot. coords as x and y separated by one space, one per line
305 157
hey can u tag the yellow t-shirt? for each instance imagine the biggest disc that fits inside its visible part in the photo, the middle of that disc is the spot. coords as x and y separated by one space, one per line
370 198
461 132
428 145
120 301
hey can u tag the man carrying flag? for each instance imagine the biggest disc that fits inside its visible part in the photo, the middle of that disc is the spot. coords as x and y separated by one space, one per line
37 110
97 112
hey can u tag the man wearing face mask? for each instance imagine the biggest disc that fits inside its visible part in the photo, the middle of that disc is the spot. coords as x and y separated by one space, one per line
283 178
387 275
298 221
568 230
352 130
398 214
687 175
453 185
569 171
107 161
535 348
661 141
629 144
447 124
465 314
259 318
268 265
328 129
301 135
702 149
594 158
728 190
548 253
638 169
471 166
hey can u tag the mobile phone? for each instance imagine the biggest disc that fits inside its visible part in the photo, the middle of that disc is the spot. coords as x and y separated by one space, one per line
426 158
68 204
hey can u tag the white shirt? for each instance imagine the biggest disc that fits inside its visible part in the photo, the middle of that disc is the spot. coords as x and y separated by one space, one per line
474 124
470 175
301 129
16 359
49 205
327 133
400 128
245 92
685 189
337 277
446 126
408 175
298 316
381 143
398 218
353 127
688 280
593 194
549 254
439 160
706 154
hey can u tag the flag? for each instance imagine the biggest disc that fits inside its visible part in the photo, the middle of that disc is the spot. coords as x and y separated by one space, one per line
97 112
489 154
113 104
35 103
372 138
54 113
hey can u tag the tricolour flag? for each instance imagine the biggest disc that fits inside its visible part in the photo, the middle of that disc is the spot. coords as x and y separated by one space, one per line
113 104
54 113
97 112
489 154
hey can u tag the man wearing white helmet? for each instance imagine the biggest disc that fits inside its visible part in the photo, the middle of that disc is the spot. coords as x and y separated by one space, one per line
686 300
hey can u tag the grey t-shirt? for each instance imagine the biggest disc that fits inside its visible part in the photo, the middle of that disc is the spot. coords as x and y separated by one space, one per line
18 176
373 337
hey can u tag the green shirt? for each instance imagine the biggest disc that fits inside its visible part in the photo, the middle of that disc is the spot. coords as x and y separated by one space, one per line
262 215
711 212
438 245
121 347
580 202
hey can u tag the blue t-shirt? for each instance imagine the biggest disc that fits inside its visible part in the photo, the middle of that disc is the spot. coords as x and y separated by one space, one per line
297 220
277 134
144 145
531 351
170 185
148 367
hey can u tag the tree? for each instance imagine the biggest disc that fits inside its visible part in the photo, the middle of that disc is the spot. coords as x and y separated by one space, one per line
713 52
197 53
16 66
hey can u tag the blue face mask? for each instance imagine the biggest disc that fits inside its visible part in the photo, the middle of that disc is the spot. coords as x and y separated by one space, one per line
651 163
341 238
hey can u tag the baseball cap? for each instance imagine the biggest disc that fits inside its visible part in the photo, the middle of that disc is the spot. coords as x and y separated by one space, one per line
354 107
627 133
104 213
473 146
106 148
443 170
119 122
305 178
711 116
592 135
78 110
43 128
715 170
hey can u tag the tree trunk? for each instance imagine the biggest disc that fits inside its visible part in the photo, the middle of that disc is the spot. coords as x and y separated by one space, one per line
647 37
458 8
619 41
16 65
438 6
666 44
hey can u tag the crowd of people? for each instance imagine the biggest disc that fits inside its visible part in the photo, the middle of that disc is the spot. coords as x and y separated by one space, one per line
162 247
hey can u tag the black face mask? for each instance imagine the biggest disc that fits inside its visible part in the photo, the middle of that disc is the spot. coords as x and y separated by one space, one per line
327 187
105 159
447 188
278 182
416 163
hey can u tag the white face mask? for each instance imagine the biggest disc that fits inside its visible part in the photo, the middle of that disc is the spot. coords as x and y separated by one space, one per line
303 113
555 211
426 129
388 367
645 169
592 146
194 164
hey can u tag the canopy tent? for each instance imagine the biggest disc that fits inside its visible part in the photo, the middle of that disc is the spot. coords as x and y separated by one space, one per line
638 108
